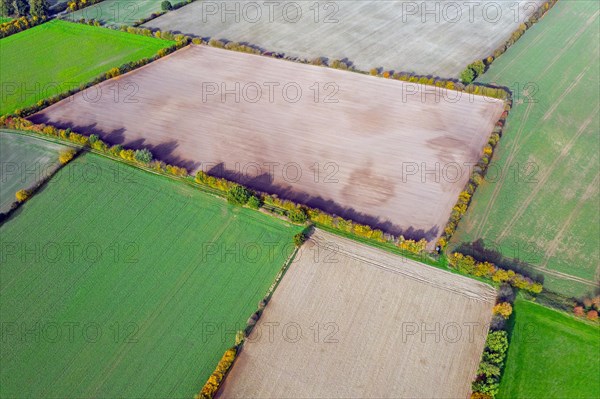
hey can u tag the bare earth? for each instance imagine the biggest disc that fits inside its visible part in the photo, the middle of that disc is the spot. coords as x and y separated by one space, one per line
387 328
375 150
426 37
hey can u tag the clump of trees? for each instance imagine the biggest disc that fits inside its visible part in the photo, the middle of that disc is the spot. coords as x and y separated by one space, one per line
19 24
487 381
238 195
587 307
472 71
300 239
468 265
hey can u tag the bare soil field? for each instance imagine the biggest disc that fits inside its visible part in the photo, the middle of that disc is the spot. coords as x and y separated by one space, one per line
351 321
432 37
383 152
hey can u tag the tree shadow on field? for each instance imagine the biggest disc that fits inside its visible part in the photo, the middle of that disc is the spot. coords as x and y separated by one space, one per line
265 183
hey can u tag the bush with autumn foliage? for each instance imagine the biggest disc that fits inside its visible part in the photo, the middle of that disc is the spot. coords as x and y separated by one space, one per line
214 381
19 24
467 264
503 309
588 308
477 175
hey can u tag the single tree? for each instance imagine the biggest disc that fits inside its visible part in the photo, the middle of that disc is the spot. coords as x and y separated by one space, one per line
166 5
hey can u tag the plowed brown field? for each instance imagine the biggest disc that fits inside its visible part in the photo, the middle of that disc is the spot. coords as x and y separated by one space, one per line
351 321
383 152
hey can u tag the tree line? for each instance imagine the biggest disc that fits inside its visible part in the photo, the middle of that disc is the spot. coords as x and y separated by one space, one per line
478 174
477 68
489 372
24 8
468 265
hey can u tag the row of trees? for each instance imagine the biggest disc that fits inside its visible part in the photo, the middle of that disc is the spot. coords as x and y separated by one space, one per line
478 174
22 8
477 68
587 307
468 265
19 24
214 381
487 381
302 214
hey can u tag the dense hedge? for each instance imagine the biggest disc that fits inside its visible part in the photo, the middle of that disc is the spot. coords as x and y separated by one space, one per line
141 157
477 176
467 264
489 372
214 381
19 25
477 68
301 214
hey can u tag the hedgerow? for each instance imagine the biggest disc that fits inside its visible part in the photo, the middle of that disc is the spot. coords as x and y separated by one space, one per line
19 24
468 265
477 68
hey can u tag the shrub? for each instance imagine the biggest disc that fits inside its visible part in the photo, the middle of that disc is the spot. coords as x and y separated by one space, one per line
166 5
22 195
578 311
498 323
300 239
467 76
503 309
66 156
254 202
592 315
506 293
238 195
297 215
143 156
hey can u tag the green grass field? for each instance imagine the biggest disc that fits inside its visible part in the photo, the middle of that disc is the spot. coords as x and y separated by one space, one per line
119 283
117 12
551 355
58 55
23 162
540 201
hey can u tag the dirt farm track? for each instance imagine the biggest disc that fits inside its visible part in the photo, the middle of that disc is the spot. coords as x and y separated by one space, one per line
350 321
397 161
